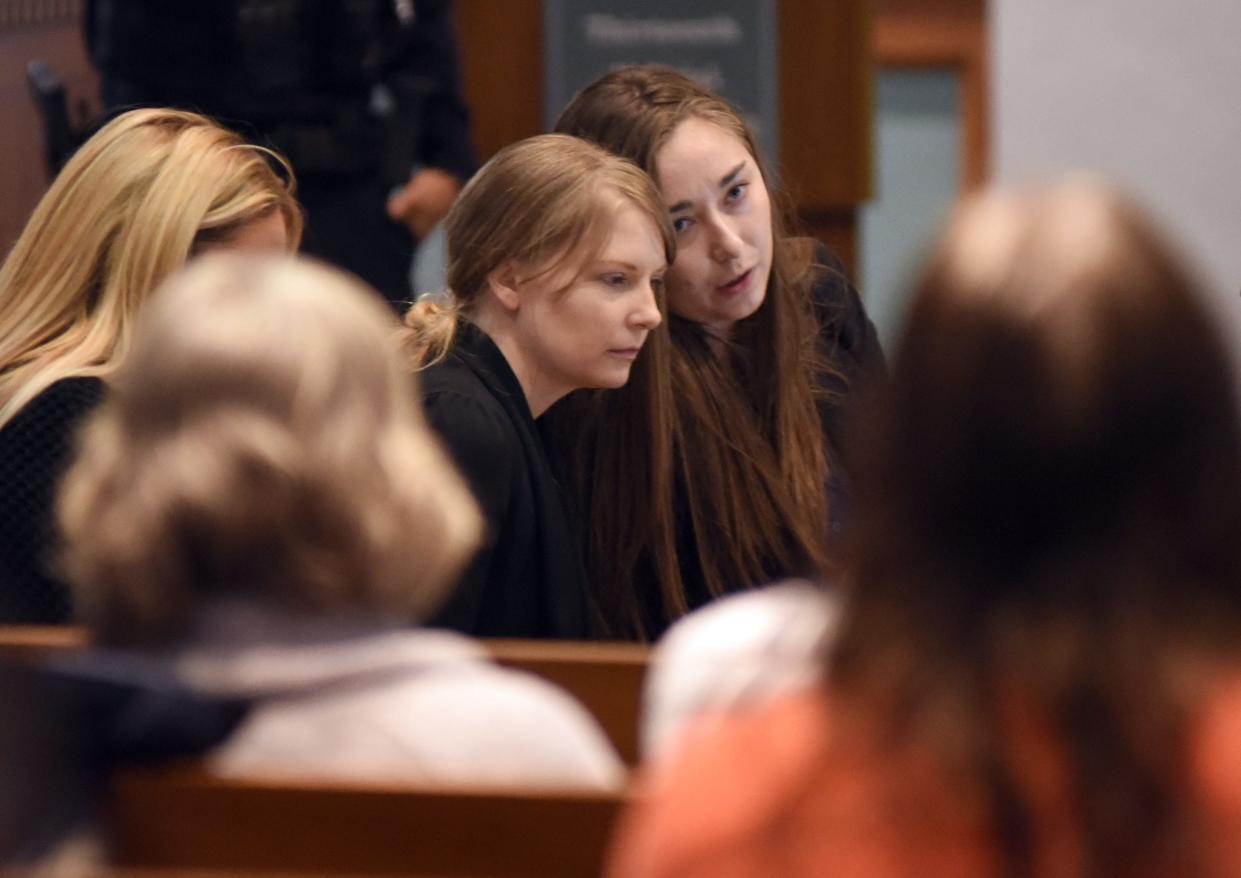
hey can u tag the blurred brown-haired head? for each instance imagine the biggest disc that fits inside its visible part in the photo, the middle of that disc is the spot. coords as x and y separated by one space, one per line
1048 515
1059 391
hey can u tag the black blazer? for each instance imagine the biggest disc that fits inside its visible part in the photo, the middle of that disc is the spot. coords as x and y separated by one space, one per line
529 579
36 447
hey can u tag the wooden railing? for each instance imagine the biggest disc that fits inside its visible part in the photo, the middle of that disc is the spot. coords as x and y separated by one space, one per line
605 677
181 818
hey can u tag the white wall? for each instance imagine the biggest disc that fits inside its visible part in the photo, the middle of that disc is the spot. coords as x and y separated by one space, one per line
917 150
1147 92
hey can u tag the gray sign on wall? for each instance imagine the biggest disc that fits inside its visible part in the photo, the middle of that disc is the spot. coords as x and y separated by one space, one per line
727 45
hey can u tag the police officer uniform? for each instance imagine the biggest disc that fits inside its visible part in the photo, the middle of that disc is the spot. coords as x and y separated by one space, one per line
356 93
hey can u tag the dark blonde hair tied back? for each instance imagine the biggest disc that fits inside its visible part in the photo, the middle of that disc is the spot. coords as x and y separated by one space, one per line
536 204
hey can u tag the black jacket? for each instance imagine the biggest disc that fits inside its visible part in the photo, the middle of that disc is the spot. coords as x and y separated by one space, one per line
353 93
849 343
70 722
36 447
268 68
529 579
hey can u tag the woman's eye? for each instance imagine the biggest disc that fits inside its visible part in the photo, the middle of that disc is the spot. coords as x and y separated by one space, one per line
657 284
615 280
737 191
680 224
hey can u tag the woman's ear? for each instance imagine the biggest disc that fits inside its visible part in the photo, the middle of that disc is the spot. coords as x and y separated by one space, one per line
505 286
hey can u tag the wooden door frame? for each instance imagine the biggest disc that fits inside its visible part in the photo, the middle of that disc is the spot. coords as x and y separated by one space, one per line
943 35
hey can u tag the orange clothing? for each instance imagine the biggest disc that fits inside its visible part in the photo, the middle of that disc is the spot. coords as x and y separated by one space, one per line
792 790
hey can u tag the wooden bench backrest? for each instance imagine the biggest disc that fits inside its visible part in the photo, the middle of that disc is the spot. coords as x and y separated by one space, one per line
182 818
605 677
31 641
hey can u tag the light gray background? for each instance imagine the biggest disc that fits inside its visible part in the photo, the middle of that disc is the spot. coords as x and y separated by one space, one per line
1145 92
917 176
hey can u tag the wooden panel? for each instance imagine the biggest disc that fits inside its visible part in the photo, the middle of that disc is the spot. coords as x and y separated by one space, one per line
825 103
944 34
501 46
36 13
43 31
606 678
182 818
825 99
32 641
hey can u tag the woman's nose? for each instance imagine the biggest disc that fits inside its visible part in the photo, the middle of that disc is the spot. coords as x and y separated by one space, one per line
647 315
726 243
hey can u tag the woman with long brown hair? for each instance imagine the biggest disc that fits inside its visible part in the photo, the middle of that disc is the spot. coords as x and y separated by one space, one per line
741 480
1038 665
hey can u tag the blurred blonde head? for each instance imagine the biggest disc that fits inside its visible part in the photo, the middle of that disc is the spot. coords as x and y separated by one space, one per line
146 192
262 440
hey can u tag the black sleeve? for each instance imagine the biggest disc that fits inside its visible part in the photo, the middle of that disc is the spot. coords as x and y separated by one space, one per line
855 363
848 336
431 62
36 447
480 443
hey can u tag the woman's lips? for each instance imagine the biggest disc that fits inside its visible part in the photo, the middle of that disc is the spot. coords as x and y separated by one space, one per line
738 284
625 353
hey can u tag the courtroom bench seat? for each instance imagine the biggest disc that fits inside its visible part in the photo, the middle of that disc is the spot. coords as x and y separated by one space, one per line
606 678
182 818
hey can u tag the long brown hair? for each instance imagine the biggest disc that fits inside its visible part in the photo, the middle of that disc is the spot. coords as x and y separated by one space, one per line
1047 519
747 446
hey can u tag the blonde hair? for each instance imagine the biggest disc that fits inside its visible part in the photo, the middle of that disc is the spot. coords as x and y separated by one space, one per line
129 207
263 439
538 203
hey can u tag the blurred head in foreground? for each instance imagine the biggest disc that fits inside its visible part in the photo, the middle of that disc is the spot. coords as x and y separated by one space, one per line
1049 517
262 441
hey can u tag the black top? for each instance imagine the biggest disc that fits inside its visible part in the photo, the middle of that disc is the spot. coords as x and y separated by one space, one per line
71 721
529 579
848 342
356 94
299 73
35 449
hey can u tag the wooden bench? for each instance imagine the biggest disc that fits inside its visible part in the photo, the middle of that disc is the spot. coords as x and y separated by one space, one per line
31 641
605 677
181 818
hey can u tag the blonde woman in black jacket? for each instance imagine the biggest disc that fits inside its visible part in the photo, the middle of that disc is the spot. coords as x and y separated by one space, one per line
556 256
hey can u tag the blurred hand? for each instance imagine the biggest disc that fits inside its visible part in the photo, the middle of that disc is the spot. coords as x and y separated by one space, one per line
423 201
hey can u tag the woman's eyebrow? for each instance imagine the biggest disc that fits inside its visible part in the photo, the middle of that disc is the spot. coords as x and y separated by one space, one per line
724 183
604 264
728 178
